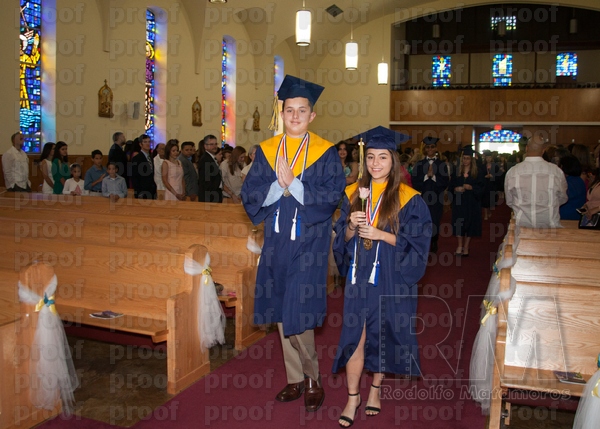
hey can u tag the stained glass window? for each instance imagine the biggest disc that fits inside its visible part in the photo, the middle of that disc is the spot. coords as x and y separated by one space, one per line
566 64
224 92
441 71
150 69
228 89
30 82
277 73
500 136
502 70
511 22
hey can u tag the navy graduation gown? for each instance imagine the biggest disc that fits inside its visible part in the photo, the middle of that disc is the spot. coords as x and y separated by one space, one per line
291 282
386 310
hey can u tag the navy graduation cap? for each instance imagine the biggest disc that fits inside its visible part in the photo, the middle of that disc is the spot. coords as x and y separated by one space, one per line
468 150
430 141
382 138
293 87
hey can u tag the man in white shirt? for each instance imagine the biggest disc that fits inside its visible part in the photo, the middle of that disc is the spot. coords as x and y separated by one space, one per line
535 188
15 165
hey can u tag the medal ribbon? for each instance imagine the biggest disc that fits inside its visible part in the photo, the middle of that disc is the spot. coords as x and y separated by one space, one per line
372 213
282 151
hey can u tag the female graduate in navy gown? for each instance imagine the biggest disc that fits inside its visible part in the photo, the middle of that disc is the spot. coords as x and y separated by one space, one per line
466 186
383 252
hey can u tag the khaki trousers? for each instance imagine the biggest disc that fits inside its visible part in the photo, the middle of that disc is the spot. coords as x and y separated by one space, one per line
299 355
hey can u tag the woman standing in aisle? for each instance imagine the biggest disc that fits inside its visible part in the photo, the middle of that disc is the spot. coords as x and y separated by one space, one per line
466 186
396 227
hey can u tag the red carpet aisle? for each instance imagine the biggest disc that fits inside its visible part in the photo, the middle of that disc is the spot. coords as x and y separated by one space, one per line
240 394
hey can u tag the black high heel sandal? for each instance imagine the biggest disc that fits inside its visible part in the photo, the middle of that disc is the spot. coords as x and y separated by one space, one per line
348 419
375 410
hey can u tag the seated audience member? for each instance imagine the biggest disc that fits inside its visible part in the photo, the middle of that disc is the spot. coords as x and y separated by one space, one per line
575 188
45 164
60 166
593 195
74 185
15 165
231 171
113 186
535 189
95 175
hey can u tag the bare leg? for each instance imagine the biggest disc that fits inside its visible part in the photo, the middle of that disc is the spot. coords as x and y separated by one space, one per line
354 369
466 248
374 400
459 249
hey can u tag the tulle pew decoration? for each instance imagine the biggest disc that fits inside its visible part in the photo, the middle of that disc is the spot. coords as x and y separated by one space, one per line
588 410
211 318
484 347
52 371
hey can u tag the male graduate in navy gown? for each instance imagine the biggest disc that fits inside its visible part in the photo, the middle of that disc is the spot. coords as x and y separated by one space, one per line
430 177
294 186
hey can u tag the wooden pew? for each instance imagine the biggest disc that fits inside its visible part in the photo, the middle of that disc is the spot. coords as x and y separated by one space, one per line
553 310
161 226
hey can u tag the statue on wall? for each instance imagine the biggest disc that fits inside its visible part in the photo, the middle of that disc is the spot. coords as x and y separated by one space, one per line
105 102
196 114
256 122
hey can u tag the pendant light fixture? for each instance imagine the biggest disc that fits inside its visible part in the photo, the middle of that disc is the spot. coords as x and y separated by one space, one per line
303 24
382 67
351 49
573 24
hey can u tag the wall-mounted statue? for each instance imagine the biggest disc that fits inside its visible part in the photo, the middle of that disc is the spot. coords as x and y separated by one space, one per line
105 102
256 122
196 113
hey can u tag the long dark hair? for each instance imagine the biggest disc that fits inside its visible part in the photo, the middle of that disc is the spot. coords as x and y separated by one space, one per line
233 159
57 149
348 158
45 152
390 204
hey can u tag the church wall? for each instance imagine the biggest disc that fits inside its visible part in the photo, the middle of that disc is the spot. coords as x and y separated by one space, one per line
353 101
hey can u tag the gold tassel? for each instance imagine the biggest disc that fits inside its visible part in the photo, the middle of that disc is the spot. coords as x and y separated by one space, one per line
361 157
274 124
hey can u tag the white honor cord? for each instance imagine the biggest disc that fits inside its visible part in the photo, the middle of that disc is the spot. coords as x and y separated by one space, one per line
293 231
372 279
277 221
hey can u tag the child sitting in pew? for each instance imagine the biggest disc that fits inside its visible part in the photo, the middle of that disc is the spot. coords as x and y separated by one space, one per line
113 186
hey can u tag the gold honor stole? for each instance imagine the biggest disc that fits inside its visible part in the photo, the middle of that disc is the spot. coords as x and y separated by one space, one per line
316 148
404 191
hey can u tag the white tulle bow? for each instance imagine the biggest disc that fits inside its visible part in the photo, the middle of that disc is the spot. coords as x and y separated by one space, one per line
483 354
52 375
211 318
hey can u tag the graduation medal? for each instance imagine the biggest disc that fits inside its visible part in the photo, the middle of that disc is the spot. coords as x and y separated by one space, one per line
371 215
282 151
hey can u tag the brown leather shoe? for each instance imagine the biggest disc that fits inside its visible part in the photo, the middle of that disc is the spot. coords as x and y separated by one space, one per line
313 394
291 392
